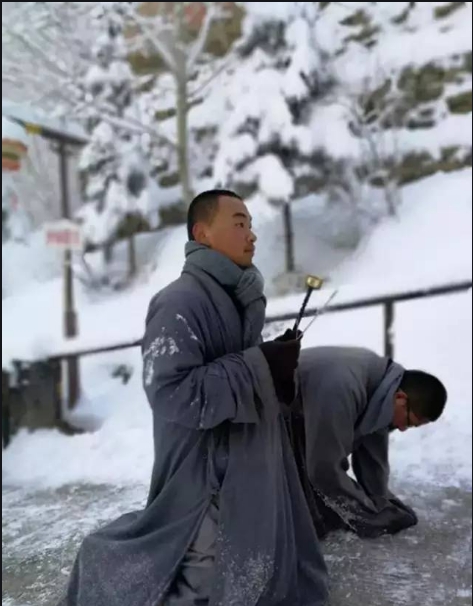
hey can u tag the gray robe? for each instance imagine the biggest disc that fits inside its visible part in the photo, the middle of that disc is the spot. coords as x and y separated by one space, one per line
348 404
219 434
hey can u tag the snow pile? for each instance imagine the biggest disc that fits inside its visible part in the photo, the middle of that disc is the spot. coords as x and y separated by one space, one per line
27 263
434 335
120 453
437 213
404 252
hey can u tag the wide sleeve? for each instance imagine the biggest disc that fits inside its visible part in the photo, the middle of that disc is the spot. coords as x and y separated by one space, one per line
366 513
330 438
181 385
370 463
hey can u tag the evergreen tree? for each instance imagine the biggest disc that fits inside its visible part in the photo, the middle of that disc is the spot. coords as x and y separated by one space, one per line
113 169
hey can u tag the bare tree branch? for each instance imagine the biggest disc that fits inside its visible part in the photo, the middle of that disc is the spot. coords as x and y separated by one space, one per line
215 74
154 38
212 13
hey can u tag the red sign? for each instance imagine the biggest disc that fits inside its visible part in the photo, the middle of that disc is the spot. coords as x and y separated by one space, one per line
65 235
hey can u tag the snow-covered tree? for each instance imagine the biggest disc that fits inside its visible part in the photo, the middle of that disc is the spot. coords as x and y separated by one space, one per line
114 170
267 143
360 157
178 33
46 49
374 112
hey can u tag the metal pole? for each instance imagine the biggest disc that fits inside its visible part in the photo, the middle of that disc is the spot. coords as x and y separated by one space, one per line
389 329
70 316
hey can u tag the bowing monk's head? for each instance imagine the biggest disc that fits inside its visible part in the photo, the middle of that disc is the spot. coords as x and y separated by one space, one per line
420 400
220 220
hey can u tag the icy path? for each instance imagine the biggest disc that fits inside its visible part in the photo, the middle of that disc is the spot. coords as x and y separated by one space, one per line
429 566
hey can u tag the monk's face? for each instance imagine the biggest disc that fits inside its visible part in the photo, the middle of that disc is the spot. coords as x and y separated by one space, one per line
404 418
230 232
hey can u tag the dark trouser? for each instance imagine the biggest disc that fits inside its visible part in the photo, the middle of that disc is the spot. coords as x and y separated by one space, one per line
193 584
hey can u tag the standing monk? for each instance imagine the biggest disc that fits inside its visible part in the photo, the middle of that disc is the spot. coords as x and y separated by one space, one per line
227 523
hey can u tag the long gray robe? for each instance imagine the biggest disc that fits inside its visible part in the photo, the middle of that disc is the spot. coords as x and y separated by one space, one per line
348 404
218 433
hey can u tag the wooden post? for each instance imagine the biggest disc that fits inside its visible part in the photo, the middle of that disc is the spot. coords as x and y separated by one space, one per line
389 329
70 315
289 238
6 420
56 371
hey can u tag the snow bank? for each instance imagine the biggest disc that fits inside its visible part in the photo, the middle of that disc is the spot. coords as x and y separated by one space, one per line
120 453
430 245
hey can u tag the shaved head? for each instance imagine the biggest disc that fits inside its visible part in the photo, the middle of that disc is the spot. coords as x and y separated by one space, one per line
204 207
219 219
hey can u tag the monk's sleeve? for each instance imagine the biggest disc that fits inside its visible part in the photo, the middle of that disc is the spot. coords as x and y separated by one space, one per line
181 385
329 439
367 514
371 464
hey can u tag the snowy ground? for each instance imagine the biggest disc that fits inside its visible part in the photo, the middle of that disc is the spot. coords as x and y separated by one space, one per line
429 566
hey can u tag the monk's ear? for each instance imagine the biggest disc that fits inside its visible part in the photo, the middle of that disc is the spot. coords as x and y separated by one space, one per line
400 398
200 234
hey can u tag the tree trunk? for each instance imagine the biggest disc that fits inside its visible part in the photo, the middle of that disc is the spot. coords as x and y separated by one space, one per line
183 139
392 195
181 78
132 262
108 252
289 238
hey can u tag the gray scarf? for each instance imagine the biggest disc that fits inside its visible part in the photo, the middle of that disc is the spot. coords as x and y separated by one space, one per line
247 285
380 409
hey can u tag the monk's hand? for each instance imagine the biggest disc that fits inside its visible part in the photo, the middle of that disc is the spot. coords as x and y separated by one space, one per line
290 335
283 358
390 519
403 507
401 522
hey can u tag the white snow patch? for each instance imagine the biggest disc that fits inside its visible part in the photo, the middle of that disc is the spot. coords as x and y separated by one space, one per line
330 131
192 334
119 453
436 212
273 179
163 346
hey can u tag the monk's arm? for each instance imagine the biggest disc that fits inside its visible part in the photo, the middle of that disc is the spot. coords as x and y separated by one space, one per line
181 385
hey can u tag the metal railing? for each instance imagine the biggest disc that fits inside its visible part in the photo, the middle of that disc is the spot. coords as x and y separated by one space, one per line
388 303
